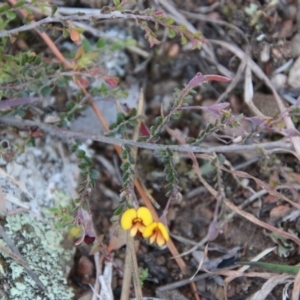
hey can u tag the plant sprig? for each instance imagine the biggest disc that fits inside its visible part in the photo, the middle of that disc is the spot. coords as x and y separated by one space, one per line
123 122
172 186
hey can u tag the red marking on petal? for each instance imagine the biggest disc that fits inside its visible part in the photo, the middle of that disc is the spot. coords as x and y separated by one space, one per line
89 239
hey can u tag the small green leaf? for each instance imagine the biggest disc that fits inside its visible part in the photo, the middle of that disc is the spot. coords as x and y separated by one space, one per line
60 225
171 33
155 138
170 177
221 158
87 160
113 126
94 174
125 177
4 8
37 60
77 200
86 45
209 127
132 112
160 153
120 117
125 166
101 43
273 267
10 15
53 10
201 135
169 21
74 148
152 130
54 210
159 120
190 140
127 148
131 159
176 115
24 59
65 33
122 128
117 2
80 153
20 112
84 206
19 4
119 210
45 91
133 123
224 116
182 27
109 134
183 40
82 165
142 139
70 105
84 173
124 155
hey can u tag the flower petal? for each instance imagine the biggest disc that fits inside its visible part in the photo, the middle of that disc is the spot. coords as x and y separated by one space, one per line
160 239
153 238
148 231
145 215
134 230
128 216
140 227
164 231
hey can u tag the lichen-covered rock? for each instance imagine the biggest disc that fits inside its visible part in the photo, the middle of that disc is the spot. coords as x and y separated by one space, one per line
32 177
40 246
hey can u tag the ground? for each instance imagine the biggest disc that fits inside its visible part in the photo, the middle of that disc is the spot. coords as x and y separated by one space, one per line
228 204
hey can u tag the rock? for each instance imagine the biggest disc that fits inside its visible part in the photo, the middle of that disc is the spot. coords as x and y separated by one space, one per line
279 80
266 104
39 244
294 75
37 176
88 121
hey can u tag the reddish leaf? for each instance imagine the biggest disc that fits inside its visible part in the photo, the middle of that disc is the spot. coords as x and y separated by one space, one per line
94 71
197 80
216 109
112 81
158 13
144 130
217 78
153 41
75 36
83 82
37 134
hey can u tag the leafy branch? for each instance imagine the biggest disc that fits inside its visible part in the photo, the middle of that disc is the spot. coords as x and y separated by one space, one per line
123 122
178 104
171 173
128 196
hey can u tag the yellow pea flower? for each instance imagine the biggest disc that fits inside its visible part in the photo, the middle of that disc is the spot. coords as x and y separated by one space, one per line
157 232
136 220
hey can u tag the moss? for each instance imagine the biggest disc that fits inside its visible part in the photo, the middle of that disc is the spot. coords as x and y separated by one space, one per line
40 246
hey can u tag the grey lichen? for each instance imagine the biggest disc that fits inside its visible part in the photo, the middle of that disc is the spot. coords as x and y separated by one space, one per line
41 247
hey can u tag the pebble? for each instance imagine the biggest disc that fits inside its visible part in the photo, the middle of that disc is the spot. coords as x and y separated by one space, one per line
279 80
